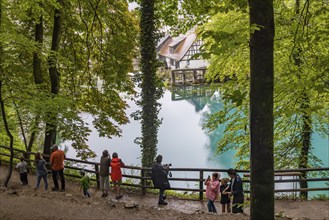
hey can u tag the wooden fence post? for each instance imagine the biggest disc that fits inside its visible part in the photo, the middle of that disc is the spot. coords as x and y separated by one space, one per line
143 181
97 176
201 185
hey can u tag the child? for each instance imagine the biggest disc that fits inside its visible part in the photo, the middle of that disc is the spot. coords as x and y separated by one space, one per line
225 198
85 182
116 175
22 169
42 171
212 191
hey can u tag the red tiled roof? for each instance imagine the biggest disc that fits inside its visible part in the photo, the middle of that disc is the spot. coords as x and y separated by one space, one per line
184 44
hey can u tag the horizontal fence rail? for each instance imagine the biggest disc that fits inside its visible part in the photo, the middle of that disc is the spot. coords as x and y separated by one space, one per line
140 176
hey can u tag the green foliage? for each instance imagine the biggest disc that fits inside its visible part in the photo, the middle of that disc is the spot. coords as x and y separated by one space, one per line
300 37
182 15
322 197
226 45
150 84
4 139
98 41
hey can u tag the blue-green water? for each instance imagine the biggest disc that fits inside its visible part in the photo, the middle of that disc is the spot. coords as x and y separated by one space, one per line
182 141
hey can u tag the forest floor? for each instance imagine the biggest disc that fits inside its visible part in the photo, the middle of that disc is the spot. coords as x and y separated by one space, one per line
24 202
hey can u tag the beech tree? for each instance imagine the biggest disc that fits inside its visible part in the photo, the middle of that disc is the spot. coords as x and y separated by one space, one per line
51 128
228 58
261 109
83 48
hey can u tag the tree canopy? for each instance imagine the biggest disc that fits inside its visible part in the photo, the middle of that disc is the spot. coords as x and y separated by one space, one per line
96 44
226 43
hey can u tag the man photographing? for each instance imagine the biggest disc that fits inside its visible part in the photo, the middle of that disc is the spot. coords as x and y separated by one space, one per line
160 179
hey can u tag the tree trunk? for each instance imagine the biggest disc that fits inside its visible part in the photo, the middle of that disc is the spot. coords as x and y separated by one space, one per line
261 110
3 113
37 75
37 70
306 118
4 118
38 79
150 122
50 137
306 141
21 125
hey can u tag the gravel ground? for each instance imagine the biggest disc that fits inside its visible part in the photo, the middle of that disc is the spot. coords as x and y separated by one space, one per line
23 202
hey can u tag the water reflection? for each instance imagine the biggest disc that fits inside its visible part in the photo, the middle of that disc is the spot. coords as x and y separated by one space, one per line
182 141
198 96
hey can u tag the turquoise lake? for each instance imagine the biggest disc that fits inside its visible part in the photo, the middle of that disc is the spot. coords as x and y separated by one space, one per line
181 139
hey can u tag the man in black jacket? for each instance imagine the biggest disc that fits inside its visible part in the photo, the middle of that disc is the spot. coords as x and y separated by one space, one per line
160 179
236 191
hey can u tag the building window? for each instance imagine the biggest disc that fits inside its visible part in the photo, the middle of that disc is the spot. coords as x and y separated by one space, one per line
171 50
172 62
177 64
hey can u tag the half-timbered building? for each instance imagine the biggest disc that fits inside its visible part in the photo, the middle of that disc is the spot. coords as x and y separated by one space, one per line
178 52
179 55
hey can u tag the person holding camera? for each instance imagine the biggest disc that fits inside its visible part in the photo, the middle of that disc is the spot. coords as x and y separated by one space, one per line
160 179
213 186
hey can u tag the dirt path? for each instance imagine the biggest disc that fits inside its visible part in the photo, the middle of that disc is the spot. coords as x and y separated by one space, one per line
23 202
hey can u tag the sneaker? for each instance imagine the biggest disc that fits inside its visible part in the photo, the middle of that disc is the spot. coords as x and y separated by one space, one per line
54 189
162 203
104 195
62 190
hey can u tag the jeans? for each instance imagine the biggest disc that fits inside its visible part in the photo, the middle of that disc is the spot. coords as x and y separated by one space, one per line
211 206
61 175
44 177
161 192
86 193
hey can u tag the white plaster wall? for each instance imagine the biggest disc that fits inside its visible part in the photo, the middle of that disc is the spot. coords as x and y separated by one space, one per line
193 64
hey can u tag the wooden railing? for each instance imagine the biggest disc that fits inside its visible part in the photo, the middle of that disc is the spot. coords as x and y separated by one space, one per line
143 177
